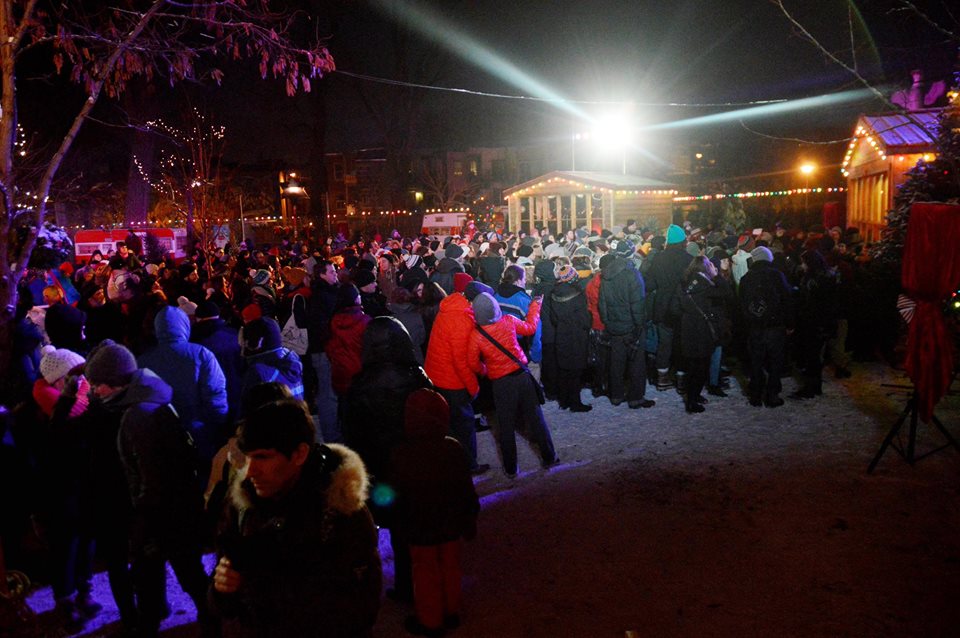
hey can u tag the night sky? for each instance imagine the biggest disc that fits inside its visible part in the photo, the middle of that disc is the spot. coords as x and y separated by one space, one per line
644 52
694 51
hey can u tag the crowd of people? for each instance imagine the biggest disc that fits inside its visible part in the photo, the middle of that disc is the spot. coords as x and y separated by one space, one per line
280 401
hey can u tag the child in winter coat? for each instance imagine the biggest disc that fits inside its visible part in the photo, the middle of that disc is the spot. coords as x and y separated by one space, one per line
437 505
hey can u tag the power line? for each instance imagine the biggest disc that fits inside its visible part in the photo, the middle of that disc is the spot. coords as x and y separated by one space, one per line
530 98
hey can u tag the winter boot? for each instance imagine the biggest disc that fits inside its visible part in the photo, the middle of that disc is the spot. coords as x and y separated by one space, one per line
663 380
681 383
693 406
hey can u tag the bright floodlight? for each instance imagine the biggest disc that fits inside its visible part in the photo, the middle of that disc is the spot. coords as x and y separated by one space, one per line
808 168
613 130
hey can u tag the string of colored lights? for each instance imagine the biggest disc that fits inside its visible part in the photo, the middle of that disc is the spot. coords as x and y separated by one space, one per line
751 194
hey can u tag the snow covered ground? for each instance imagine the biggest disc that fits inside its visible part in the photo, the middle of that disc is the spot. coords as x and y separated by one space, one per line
738 521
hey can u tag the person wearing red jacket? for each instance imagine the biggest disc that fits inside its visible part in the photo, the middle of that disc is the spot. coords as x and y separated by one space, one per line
449 370
346 338
514 394
599 380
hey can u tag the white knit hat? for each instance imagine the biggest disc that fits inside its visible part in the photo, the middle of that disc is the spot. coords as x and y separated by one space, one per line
188 307
413 261
55 363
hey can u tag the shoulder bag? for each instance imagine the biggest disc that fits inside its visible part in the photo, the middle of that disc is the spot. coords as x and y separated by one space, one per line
293 336
541 395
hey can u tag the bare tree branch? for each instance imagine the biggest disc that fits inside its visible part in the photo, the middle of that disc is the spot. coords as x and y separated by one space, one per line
930 21
833 58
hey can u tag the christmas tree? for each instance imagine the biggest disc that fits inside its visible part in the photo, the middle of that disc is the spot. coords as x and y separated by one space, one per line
934 181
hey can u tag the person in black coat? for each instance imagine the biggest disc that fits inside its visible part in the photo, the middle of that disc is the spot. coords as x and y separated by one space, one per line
373 422
666 272
622 309
766 303
546 275
159 461
320 309
570 321
699 326
816 320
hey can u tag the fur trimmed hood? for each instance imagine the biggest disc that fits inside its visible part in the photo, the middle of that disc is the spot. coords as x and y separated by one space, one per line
332 471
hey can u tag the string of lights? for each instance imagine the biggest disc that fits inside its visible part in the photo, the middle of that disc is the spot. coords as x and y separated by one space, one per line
751 194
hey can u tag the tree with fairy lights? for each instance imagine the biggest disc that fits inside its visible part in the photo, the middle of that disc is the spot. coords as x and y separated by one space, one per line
189 179
103 47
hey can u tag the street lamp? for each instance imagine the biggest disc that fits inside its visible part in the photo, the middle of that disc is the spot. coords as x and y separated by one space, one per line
807 169
290 189
576 137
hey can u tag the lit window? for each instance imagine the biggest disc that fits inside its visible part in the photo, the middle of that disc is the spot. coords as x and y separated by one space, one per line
474 167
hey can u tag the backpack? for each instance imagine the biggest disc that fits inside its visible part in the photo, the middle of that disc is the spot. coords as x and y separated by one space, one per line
761 300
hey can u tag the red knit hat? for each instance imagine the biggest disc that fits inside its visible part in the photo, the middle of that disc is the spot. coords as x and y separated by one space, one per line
251 313
460 281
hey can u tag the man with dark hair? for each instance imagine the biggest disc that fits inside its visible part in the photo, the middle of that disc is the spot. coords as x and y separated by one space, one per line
297 546
320 309
160 464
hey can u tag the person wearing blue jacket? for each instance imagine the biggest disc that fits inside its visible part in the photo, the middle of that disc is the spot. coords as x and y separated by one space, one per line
199 386
515 300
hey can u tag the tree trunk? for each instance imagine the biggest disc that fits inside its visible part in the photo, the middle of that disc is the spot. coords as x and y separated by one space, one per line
138 185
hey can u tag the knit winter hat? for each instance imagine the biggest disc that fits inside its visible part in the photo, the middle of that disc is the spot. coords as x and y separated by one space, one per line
745 243
55 363
188 307
605 261
294 275
460 281
111 364
761 254
525 251
207 309
567 274
474 288
625 248
186 269
583 251
346 296
486 310
675 235
363 278
453 251
693 249
251 312
261 277
413 261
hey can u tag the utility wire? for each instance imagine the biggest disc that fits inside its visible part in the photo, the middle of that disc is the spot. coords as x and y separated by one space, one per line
370 78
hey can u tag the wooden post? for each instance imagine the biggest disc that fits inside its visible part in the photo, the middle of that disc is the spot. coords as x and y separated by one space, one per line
588 196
